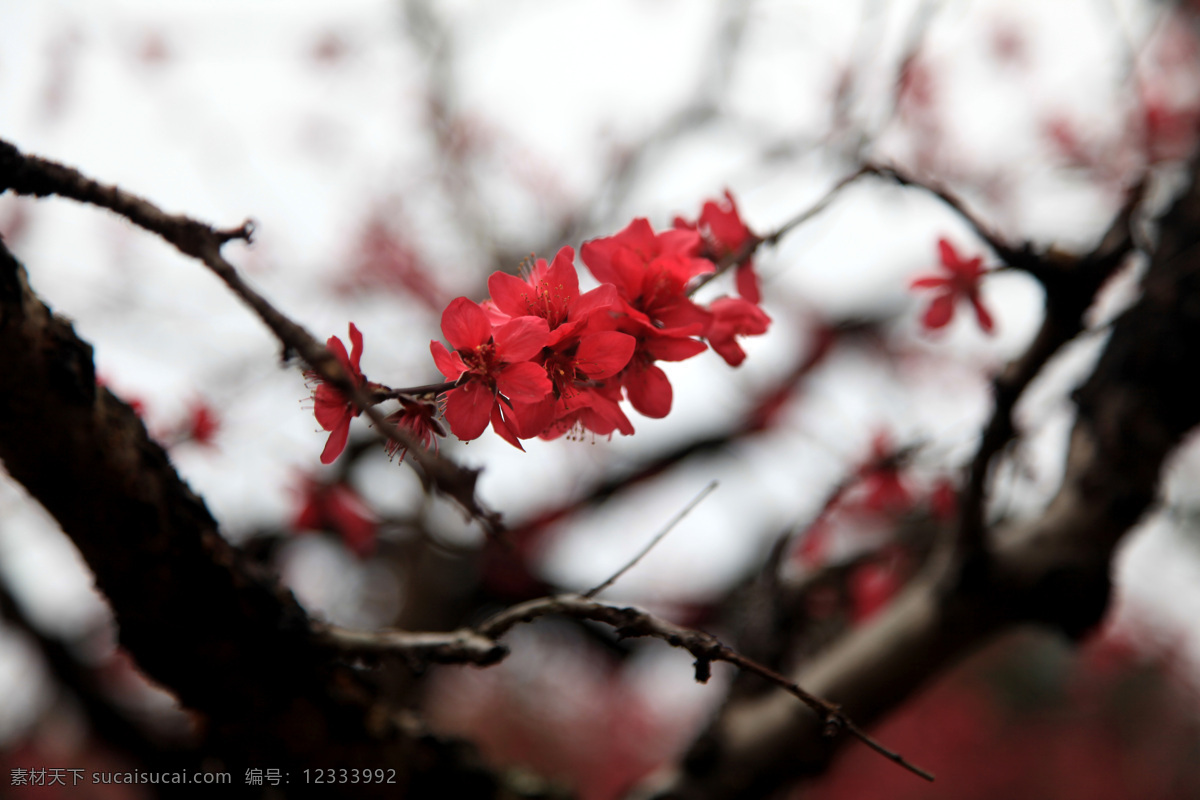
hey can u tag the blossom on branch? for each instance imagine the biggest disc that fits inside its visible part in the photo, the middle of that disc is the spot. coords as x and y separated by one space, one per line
962 281
332 408
733 317
419 418
651 272
647 385
724 235
549 291
579 368
540 358
339 509
491 367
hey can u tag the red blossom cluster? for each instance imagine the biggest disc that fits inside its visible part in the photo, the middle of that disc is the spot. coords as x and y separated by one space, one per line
541 358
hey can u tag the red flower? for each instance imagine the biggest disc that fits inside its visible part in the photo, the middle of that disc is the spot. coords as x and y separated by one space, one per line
202 424
646 384
419 417
579 368
963 280
491 366
333 409
592 408
724 235
552 293
386 260
884 490
339 509
651 271
732 317
548 292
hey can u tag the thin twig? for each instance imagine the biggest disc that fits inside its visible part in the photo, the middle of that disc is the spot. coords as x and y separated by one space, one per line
479 646
1021 257
816 208
754 422
830 712
1071 284
751 245
705 492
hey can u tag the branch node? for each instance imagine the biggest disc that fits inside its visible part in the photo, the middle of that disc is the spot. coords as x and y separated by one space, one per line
245 232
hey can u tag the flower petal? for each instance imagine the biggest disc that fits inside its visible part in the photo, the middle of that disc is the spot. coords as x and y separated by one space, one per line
604 354
534 419
330 406
724 223
465 325
562 280
602 415
334 345
679 242
746 280
525 382
981 313
599 254
728 349
649 391
521 338
672 348
338 436
949 256
940 311
356 350
683 313
468 409
450 364
603 298
628 274
503 429
511 295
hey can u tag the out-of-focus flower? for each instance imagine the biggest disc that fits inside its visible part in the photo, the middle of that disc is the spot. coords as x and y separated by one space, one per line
961 281
339 509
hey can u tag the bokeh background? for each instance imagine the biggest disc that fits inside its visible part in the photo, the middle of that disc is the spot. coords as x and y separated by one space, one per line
393 154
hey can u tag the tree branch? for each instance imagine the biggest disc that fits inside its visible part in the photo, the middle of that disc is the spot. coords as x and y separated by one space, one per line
1137 406
472 646
30 175
197 616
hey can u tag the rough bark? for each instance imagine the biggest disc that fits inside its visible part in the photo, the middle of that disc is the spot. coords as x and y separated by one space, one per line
196 616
